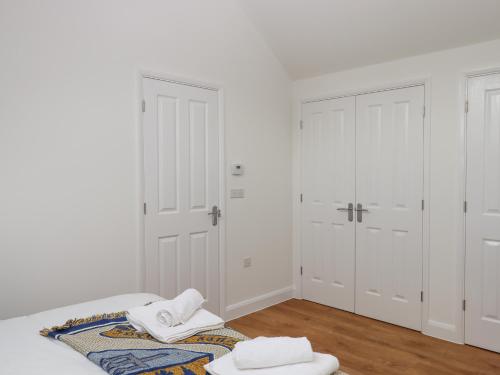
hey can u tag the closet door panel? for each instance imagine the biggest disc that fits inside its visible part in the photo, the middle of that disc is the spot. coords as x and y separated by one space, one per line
482 276
328 146
389 188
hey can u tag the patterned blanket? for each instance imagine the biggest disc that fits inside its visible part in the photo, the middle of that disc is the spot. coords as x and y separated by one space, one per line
114 345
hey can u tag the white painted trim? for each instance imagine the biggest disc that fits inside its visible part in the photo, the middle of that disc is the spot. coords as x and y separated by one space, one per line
482 72
258 303
458 334
429 327
297 188
222 206
462 240
181 80
368 90
141 254
296 204
222 175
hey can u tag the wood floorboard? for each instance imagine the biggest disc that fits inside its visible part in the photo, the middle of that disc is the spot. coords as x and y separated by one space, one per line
367 346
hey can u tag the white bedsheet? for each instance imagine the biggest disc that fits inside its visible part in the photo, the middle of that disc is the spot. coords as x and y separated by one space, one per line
24 351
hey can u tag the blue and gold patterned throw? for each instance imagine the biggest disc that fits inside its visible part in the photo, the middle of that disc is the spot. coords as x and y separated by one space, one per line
115 346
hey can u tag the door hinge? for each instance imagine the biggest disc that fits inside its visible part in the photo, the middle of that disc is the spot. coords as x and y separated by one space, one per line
422 296
301 125
143 105
423 112
463 305
423 205
301 198
466 106
465 206
145 208
301 270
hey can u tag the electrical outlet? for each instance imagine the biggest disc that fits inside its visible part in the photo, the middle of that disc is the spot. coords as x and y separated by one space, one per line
247 262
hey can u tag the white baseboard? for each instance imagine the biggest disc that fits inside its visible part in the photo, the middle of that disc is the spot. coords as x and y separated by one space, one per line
251 305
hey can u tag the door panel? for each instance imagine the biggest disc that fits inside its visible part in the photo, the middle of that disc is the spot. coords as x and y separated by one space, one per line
389 185
482 278
328 184
181 170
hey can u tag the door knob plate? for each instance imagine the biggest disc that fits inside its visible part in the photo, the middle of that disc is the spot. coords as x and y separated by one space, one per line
349 209
215 212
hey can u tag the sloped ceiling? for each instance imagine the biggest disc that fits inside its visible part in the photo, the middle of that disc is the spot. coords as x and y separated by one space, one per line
313 37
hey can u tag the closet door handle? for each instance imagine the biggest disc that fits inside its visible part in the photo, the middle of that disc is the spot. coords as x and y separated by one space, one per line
215 215
359 212
349 209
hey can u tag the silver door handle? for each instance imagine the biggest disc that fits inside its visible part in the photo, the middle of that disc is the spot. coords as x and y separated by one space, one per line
359 212
215 215
349 210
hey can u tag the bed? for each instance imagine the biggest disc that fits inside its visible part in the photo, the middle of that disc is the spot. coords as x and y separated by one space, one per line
24 351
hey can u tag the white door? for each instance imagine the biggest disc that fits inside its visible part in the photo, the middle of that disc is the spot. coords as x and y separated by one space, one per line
389 185
328 151
482 277
181 175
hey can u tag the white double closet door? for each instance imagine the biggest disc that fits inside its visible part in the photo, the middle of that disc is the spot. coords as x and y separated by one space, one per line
362 186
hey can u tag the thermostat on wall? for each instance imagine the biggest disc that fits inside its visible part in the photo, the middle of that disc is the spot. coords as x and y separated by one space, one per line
236 169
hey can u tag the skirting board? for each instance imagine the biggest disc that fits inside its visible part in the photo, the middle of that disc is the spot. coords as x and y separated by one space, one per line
251 305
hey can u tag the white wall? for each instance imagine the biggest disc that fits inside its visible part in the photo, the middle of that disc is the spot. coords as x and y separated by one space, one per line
445 70
70 190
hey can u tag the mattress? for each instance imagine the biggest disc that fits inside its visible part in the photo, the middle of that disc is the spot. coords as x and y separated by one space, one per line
24 351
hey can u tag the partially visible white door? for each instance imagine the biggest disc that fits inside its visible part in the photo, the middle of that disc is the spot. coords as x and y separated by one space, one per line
328 153
389 186
181 175
482 278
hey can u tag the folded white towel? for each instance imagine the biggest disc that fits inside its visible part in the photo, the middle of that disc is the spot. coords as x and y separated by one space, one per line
142 313
168 312
322 364
202 320
135 323
272 351
180 309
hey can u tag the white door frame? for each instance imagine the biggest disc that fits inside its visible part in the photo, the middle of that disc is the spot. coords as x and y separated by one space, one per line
463 178
141 273
297 208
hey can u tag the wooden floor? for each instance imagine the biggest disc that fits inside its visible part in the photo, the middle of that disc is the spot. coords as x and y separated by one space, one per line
366 346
